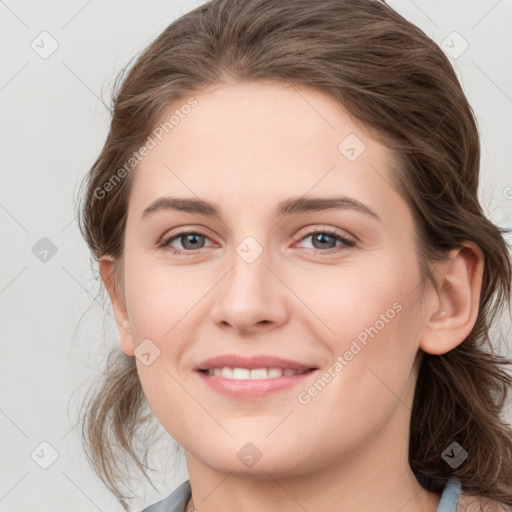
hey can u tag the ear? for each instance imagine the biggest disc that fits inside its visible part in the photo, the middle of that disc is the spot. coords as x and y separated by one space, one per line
453 310
106 268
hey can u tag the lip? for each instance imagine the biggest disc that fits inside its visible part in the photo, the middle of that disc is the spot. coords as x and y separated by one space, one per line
251 363
252 388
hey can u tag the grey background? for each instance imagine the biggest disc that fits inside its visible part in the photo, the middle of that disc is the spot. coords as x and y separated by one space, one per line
53 126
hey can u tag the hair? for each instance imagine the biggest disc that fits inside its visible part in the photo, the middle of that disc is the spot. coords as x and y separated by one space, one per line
398 84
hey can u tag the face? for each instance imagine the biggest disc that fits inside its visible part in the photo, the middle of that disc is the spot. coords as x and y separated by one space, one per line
263 235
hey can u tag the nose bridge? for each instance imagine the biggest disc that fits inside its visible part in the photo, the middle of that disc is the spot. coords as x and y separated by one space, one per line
247 282
249 294
249 269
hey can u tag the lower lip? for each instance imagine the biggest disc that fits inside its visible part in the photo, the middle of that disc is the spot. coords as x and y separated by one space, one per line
253 388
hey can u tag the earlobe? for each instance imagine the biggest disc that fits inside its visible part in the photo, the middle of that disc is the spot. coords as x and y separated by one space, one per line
106 269
454 308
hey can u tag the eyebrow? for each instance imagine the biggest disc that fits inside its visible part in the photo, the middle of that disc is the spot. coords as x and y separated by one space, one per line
291 206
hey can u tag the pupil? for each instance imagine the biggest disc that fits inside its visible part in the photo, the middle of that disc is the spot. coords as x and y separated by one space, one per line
193 243
322 238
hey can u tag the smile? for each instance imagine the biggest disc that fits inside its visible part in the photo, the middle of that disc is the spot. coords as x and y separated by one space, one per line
256 373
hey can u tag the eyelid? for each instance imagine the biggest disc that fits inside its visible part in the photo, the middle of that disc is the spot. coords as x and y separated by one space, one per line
319 228
347 242
185 231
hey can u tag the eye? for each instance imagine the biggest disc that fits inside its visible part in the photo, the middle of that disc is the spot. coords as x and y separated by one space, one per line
324 241
190 241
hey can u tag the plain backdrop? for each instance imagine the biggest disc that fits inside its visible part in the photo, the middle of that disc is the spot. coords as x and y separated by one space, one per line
58 62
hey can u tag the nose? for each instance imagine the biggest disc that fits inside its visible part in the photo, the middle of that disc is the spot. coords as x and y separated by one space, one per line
251 298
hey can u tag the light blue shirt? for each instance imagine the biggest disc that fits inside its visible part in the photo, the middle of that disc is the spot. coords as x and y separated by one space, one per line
178 499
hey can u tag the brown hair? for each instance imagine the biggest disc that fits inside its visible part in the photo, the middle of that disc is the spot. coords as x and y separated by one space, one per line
401 87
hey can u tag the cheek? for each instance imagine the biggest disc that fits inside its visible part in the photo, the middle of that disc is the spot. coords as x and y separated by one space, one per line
375 322
362 300
160 300
372 375
159 311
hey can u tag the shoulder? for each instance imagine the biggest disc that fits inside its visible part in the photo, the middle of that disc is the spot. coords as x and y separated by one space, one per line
469 503
175 502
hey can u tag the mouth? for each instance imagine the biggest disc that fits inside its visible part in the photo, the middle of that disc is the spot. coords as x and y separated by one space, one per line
254 374
252 377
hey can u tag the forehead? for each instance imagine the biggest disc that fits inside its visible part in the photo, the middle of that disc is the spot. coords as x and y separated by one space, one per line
255 143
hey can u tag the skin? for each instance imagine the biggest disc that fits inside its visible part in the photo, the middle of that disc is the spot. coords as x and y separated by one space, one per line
347 448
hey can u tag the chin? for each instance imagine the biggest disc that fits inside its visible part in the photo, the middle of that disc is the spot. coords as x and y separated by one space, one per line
252 460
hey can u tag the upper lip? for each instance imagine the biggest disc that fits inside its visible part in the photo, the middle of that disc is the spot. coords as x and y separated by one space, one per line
251 363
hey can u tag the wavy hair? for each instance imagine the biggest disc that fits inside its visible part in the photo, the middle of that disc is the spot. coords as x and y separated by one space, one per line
396 82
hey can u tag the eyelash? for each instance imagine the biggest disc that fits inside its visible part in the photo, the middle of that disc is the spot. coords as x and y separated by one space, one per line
346 241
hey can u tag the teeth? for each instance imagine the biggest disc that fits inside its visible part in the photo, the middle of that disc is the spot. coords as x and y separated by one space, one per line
260 373
274 372
241 373
257 373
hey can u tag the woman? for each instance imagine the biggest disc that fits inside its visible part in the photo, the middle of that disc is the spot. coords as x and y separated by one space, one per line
286 220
